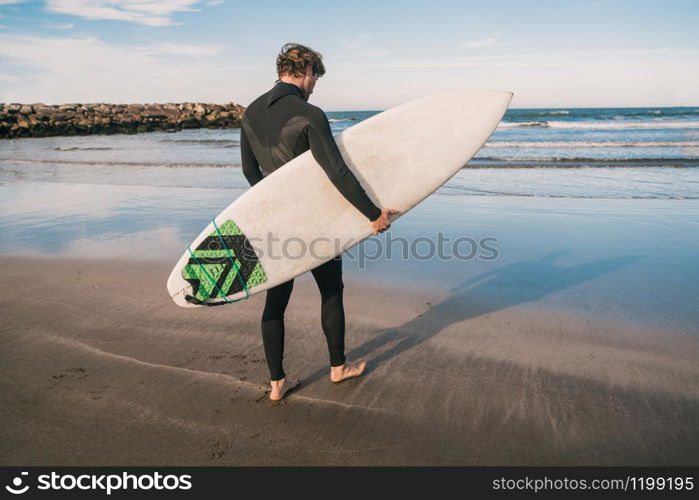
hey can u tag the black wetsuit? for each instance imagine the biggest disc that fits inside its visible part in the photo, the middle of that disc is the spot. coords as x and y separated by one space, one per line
277 127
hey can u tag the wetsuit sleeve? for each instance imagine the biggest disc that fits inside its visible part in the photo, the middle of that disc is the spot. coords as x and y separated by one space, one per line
251 167
327 154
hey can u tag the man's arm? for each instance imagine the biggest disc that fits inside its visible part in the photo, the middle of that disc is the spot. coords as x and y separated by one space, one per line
251 167
326 153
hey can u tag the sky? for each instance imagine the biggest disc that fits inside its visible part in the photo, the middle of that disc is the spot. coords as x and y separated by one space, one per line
611 53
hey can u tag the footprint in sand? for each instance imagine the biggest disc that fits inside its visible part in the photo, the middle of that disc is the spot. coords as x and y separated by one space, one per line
217 451
71 370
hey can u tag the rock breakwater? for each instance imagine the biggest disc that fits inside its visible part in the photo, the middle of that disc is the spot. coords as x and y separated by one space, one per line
41 120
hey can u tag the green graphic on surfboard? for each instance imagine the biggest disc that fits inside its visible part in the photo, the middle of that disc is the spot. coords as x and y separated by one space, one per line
222 264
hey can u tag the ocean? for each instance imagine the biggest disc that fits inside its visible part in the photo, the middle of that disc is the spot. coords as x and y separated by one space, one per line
564 195
136 195
562 152
585 137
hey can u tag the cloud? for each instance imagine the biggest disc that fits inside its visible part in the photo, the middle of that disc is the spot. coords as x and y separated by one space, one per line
9 78
146 12
8 2
84 68
623 77
87 51
481 42
65 26
361 43
551 59
178 49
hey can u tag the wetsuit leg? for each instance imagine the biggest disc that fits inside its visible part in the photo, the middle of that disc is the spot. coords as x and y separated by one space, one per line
273 327
328 277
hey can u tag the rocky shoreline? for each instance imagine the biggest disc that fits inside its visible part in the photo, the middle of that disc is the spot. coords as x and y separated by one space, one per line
41 120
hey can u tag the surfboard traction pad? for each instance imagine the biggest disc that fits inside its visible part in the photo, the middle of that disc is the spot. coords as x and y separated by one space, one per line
215 259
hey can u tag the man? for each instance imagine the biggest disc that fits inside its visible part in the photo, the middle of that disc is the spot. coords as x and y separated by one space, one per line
277 127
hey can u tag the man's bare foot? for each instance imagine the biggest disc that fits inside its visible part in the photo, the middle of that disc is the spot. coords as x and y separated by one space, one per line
350 369
281 387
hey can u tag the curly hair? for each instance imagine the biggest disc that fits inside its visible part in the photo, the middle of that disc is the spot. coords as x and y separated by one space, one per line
294 58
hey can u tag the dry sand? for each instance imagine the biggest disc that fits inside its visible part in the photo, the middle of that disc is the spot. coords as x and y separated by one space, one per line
99 367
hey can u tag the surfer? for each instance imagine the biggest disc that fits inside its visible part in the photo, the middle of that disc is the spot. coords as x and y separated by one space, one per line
277 127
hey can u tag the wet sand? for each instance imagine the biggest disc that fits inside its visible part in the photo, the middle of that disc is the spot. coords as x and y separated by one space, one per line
99 367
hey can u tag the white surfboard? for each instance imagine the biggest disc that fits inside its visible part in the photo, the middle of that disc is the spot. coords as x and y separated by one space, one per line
295 219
